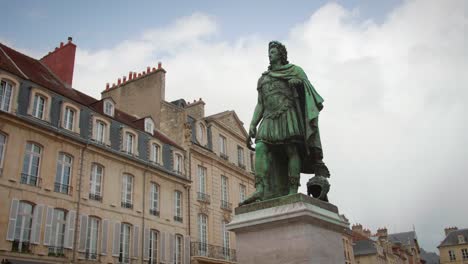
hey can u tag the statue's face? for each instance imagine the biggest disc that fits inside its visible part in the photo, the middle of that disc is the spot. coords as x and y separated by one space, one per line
274 55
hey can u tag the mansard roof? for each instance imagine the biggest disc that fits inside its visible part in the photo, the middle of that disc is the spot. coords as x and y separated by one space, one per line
35 71
452 238
404 238
364 247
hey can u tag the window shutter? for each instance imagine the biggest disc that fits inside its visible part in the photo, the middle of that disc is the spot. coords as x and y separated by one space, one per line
116 240
83 232
70 230
105 224
146 244
12 222
171 248
48 225
162 247
187 250
36 224
136 240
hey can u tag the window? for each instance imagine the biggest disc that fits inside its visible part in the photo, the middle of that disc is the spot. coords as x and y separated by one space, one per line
201 179
108 108
153 246
31 162
154 199
240 157
178 162
124 253
452 255
63 174
461 239
224 194
149 126
6 92
252 161
226 240
201 134
155 153
202 234
95 182
177 206
178 250
127 189
23 227
69 118
92 238
242 192
39 106
57 232
129 142
464 253
3 140
222 145
101 130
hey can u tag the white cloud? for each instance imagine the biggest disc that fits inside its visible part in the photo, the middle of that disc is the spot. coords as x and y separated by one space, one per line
394 125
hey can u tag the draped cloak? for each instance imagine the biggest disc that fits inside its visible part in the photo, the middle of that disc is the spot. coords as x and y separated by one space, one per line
309 103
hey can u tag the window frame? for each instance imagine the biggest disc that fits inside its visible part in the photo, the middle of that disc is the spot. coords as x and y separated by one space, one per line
222 145
202 174
57 235
155 153
64 165
124 248
32 155
201 134
178 163
105 133
452 256
76 117
21 222
202 224
93 183
153 246
178 248
240 156
91 251
3 146
125 192
125 147
178 206
149 125
8 84
224 188
155 191
47 104
108 111
242 192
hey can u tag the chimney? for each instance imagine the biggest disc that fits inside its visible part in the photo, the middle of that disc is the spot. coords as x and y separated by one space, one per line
450 229
382 232
159 65
61 61
367 233
357 228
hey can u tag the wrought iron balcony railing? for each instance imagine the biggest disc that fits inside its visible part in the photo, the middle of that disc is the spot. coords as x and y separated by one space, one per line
91 256
30 180
124 260
224 156
56 252
241 165
178 219
203 197
63 188
21 247
126 205
95 197
225 205
212 251
154 212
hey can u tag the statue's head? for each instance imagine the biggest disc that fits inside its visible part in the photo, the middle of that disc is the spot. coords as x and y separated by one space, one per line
280 52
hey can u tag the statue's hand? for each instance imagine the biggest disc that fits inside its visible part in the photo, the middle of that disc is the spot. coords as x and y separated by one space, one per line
252 131
294 82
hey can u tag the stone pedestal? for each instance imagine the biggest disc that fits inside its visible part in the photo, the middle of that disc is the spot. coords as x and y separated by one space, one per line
293 229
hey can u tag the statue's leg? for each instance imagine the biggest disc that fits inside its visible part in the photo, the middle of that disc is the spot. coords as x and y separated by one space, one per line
261 170
294 167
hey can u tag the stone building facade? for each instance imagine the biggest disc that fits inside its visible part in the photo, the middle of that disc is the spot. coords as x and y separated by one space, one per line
81 180
454 248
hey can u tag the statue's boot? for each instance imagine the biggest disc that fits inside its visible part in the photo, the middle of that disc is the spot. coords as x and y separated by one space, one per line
256 196
293 184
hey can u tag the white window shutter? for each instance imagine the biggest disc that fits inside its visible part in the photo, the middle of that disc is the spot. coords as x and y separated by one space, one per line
116 240
187 250
12 221
83 233
136 240
70 230
105 224
146 244
48 225
171 248
36 224
162 247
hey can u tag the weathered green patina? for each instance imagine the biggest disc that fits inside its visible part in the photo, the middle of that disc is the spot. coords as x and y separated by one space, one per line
288 139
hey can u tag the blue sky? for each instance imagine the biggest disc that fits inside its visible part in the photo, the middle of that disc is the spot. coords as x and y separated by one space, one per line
392 73
100 24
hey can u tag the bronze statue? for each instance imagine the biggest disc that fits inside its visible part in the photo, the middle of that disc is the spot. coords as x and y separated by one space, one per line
287 141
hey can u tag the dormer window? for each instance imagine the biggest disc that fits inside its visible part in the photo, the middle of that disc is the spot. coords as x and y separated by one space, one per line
108 108
39 106
149 125
201 134
129 142
461 239
6 92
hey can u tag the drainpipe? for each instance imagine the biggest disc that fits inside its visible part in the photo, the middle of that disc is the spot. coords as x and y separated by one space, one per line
80 177
142 251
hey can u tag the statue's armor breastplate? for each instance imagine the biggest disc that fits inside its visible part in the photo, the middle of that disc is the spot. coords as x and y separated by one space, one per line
276 95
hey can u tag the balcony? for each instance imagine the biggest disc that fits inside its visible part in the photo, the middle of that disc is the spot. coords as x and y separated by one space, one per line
225 205
128 205
21 247
241 165
63 188
95 197
91 256
154 212
30 180
224 156
203 197
178 219
56 252
199 249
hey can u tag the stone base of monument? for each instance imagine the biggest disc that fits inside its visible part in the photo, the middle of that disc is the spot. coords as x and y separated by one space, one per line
292 229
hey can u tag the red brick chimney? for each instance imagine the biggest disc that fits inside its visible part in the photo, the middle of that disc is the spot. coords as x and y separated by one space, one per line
61 61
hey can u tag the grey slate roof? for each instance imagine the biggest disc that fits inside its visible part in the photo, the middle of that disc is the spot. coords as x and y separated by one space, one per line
403 238
452 237
429 257
364 247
